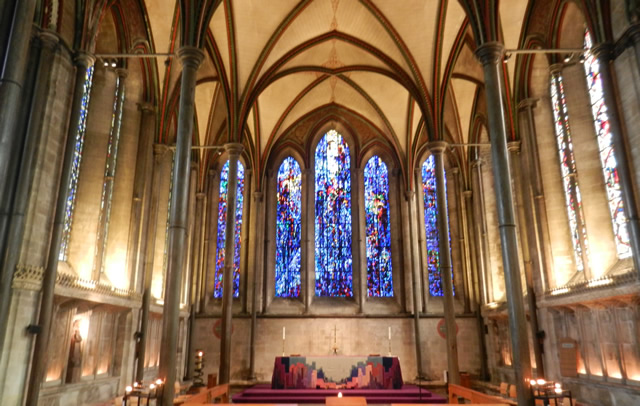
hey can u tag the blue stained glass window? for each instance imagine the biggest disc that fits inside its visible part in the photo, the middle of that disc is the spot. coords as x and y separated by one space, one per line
288 222
75 166
607 152
334 276
222 218
431 227
378 228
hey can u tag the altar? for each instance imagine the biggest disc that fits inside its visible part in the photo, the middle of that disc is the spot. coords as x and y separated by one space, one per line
337 372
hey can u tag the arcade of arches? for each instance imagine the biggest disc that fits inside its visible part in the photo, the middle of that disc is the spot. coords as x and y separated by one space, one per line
450 181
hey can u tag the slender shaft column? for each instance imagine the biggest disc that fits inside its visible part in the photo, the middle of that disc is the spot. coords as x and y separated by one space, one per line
463 246
110 174
13 70
437 149
260 215
490 55
634 36
195 280
211 235
415 268
604 53
150 245
43 50
191 58
224 374
475 281
514 149
359 254
484 266
542 249
140 206
199 253
307 233
84 63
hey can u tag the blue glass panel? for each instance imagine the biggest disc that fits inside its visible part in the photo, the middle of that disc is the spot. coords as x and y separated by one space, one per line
334 276
75 166
378 228
431 227
288 222
222 219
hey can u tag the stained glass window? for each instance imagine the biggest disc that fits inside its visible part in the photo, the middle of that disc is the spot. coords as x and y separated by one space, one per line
429 193
222 218
334 276
109 176
378 228
607 153
75 166
288 222
569 176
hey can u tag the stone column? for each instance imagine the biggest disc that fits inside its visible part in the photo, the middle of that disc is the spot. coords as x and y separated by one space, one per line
475 281
110 174
437 148
84 62
464 248
514 149
604 54
359 264
410 197
12 84
149 253
484 267
139 222
211 236
258 237
490 55
224 374
307 234
43 49
542 248
194 281
191 58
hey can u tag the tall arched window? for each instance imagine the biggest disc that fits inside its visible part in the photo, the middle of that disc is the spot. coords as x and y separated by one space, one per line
429 194
75 166
222 219
378 228
607 153
334 276
569 174
288 221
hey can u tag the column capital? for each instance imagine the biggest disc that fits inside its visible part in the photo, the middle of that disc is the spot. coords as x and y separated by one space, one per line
190 56
409 194
122 73
160 149
84 59
529 103
455 170
437 147
212 172
490 52
633 33
604 51
234 149
200 195
195 166
513 146
147 107
48 38
556 69
467 193
257 196
476 163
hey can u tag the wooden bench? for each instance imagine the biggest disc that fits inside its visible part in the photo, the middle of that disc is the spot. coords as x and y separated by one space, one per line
209 396
456 392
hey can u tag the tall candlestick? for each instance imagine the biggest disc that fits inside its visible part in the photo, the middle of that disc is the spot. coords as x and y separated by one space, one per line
389 332
283 332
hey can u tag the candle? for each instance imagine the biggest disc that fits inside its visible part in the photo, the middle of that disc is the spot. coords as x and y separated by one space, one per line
283 332
389 332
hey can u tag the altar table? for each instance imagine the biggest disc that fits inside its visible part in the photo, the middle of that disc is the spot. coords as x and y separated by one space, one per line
337 372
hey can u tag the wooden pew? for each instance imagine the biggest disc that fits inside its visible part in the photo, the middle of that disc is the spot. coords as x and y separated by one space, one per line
209 396
475 397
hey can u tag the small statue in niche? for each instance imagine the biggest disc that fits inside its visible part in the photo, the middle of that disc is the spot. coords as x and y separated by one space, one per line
74 362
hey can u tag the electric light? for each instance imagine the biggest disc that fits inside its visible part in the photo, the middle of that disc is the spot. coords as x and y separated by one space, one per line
541 381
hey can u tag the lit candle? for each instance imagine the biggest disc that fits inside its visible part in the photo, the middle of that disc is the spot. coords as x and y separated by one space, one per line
283 332
389 332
